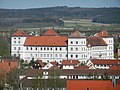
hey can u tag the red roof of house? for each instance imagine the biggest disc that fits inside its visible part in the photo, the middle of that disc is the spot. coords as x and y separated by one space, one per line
114 67
105 61
91 85
95 41
20 33
76 34
46 41
103 33
6 65
81 67
40 63
70 62
50 32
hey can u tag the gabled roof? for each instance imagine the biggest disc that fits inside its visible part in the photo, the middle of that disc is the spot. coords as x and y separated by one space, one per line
50 32
114 67
70 62
95 41
20 33
76 34
103 33
46 41
105 61
40 63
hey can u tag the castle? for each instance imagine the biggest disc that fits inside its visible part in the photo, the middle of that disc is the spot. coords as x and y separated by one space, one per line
54 47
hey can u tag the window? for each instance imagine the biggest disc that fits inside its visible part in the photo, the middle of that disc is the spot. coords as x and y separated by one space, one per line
26 48
60 55
31 55
14 38
47 55
36 48
71 42
56 55
18 48
76 56
14 41
60 48
47 48
18 41
14 48
44 48
18 38
51 48
41 55
31 48
56 48
44 55
41 48
76 49
71 56
50 55
35 55
71 49
76 42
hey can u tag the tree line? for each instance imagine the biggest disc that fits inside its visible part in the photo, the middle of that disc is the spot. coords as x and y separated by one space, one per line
109 15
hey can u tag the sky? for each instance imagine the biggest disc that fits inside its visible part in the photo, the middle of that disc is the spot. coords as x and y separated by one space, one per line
25 4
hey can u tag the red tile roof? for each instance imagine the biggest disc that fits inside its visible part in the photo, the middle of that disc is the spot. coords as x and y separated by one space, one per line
114 67
95 41
70 62
20 33
81 67
76 34
90 85
6 65
103 33
105 61
40 63
46 41
50 32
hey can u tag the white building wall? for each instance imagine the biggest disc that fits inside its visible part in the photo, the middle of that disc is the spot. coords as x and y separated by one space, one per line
17 48
47 54
77 49
110 47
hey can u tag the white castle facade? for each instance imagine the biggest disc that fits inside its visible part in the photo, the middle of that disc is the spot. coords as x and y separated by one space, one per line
53 47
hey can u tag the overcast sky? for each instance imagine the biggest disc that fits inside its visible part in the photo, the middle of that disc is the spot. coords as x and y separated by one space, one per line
23 4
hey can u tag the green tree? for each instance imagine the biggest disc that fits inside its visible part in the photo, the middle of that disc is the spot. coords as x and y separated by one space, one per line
13 78
2 80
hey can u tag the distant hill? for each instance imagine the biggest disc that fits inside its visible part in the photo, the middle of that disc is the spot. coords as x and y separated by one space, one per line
103 15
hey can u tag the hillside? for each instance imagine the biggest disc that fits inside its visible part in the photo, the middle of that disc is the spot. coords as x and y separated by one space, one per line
102 15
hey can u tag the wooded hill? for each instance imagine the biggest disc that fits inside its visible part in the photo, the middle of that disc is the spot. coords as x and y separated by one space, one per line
102 15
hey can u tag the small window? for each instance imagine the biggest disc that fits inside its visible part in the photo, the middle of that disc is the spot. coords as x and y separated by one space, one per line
31 48
51 48
47 55
44 48
18 48
50 55
14 41
56 55
71 42
71 49
14 38
14 48
26 48
44 55
56 48
76 42
36 48
18 38
41 55
60 55
18 41
76 49
71 56
41 48
76 56
47 48
60 48
35 55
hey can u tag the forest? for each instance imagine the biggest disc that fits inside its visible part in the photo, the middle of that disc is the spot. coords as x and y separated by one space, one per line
52 16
